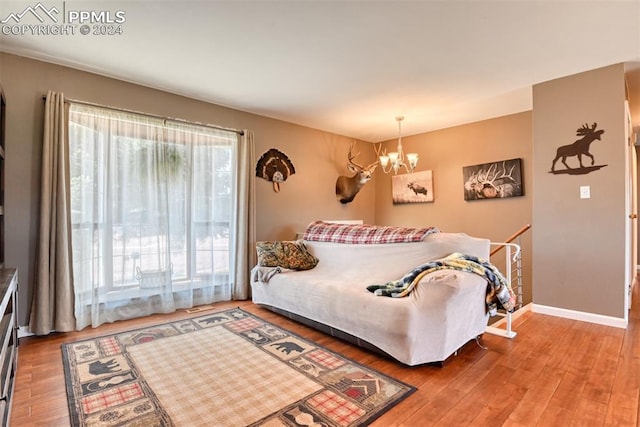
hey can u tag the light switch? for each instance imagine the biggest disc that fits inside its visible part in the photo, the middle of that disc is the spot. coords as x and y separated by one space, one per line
585 192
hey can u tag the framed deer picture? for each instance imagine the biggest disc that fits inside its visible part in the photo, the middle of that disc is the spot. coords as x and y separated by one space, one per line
412 187
493 180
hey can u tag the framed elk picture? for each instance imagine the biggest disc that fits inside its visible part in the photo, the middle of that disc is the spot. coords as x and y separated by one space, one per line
412 187
493 180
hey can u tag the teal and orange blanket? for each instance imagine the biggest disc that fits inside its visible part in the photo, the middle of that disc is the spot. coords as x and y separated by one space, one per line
499 292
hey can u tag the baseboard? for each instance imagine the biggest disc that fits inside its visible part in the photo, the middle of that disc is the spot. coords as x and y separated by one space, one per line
23 331
501 327
615 322
519 312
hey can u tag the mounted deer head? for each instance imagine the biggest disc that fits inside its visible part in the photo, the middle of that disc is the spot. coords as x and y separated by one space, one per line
348 187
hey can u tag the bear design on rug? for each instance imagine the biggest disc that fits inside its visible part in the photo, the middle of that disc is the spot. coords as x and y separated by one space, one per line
287 347
101 368
215 319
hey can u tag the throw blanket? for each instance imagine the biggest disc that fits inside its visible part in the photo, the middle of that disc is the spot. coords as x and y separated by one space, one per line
264 274
499 292
320 231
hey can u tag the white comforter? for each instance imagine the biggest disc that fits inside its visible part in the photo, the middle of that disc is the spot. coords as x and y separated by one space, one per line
446 309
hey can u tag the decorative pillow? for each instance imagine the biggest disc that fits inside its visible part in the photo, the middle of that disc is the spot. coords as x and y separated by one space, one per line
286 254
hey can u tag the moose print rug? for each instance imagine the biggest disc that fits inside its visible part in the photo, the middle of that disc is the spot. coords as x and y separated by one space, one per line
228 368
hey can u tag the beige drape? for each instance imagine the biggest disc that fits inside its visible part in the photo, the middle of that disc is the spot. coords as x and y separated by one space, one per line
53 297
244 207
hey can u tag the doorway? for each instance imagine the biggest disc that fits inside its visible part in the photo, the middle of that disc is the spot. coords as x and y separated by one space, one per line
631 244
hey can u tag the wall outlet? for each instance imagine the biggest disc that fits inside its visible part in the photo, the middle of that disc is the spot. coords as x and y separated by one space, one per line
585 192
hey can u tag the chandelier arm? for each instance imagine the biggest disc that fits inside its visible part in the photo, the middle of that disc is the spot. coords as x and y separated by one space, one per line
385 170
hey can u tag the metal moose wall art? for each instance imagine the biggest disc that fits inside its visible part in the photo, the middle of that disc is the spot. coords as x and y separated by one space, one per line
578 149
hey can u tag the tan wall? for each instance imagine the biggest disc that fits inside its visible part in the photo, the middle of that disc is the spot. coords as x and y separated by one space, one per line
578 244
563 228
318 157
446 152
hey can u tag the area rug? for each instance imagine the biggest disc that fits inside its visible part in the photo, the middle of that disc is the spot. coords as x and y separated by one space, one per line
228 368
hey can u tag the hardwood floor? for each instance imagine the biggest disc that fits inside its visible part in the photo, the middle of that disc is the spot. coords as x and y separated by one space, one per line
556 372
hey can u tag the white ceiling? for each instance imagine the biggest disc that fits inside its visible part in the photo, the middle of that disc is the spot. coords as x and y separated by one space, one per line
349 67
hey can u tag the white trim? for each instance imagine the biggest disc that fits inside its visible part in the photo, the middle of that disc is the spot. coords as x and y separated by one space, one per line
519 312
504 333
23 331
582 316
496 329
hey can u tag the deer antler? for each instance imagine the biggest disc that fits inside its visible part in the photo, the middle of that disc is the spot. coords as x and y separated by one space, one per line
353 156
503 174
484 177
377 148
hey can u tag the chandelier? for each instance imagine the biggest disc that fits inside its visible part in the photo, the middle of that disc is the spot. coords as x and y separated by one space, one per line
396 160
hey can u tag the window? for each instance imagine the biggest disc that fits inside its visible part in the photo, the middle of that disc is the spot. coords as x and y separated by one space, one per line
151 204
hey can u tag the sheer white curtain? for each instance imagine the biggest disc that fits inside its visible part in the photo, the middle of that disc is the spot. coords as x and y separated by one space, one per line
152 210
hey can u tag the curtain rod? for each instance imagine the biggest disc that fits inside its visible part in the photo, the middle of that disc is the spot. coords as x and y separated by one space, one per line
155 116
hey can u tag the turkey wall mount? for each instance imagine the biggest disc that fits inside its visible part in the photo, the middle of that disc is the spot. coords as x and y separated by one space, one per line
578 149
274 166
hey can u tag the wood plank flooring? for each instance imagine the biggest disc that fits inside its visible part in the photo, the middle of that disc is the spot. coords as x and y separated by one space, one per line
556 372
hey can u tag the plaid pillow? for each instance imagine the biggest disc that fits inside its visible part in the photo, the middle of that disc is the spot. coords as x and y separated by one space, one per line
286 254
